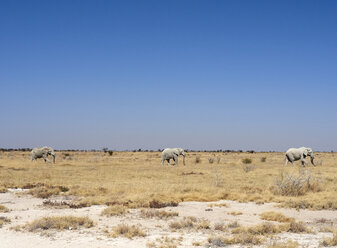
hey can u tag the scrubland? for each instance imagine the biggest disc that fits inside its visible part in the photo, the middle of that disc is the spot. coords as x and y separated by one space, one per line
128 199
135 179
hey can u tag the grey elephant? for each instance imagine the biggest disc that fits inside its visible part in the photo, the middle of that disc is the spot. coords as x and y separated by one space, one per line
172 153
42 152
294 154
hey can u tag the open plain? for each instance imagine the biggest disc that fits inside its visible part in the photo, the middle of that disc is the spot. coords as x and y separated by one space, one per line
129 200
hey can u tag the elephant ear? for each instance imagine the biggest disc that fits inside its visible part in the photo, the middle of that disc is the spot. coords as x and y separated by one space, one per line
305 152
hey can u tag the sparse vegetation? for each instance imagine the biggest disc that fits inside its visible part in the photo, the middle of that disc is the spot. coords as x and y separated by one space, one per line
219 205
130 179
115 210
235 213
330 241
263 159
248 167
197 160
161 214
296 185
243 239
59 223
4 220
211 160
246 160
274 216
3 209
127 231
288 244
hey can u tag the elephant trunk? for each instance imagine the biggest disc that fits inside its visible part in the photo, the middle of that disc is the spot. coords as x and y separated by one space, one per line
53 158
312 160
184 159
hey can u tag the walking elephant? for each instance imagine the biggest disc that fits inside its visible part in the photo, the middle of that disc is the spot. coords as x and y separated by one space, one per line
294 154
42 152
172 153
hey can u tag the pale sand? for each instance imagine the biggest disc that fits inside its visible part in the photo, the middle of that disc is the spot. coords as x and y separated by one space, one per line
25 208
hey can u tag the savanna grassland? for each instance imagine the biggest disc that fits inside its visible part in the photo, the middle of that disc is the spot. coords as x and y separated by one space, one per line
137 179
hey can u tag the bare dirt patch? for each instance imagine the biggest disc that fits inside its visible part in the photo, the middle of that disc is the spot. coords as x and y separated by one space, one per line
147 227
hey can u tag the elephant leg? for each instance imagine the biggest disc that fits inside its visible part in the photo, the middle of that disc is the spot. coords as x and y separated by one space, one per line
168 161
304 162
162 161
46 159
175 158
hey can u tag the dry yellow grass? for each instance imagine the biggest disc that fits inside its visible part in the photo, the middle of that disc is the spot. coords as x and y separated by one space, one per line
330 241
127 231
161 214
274 216
59 223
115 210
3 209
136 178
4 220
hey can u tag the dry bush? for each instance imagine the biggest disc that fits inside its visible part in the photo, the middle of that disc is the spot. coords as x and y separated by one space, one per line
45 191
115 210
220 227
204 224
295 227
165 242
263 159
64 204
330 241
288 244
4 220
161 214
211 160
187 222
197 160
3 189
233 224
260 229
219 205
158 204
3 209
246 160
59 223
127 231
274 216
242 238
235 213
218 160
296 185
248 167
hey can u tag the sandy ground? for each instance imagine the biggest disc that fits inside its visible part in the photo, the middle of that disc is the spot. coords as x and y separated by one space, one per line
25 208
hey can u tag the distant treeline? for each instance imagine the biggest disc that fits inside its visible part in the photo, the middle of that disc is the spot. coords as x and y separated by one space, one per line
134 150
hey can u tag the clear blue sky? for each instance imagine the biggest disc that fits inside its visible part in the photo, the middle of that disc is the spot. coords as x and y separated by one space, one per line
153 74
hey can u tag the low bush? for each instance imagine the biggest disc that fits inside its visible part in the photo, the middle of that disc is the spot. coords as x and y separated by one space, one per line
127 231
59 223
115 210
296 185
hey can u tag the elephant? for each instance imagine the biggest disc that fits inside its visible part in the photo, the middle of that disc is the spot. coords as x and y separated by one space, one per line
42 152
172 153
294 154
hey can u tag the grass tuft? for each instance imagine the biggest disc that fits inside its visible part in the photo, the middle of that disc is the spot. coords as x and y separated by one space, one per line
330 241
3 209
161 214
297 184
127 231
274 216
59 223
4 220
115 210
